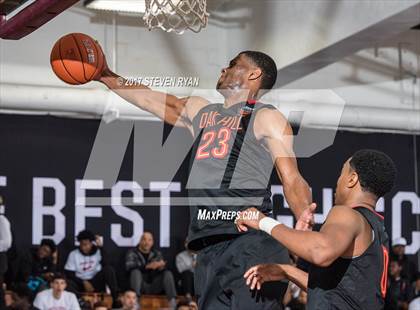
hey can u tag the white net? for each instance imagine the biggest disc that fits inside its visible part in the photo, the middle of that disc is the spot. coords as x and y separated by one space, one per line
176 15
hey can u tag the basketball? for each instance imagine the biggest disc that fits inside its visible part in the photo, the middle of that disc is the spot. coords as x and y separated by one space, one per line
76 58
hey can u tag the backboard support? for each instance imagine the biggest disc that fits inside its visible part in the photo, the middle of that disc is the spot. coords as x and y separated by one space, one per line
31 17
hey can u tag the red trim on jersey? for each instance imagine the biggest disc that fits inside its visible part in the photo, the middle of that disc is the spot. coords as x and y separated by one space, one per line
357 206
384 279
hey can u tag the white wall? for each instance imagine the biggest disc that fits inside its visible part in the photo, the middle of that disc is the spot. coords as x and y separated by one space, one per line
287 30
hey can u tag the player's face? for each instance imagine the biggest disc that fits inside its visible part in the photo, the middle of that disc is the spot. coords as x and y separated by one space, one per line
58 285
234 78
146 242
86 246
129 300
341 189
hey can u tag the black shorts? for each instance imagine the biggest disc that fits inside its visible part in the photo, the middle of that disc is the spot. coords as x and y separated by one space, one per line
218 277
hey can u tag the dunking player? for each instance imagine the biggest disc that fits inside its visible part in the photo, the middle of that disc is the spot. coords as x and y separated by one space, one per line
236 144
349 255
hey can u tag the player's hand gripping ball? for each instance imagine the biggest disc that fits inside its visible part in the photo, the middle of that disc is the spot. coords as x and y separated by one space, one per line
76 59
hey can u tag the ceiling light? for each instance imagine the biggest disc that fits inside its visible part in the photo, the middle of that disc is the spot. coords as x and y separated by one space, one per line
127 6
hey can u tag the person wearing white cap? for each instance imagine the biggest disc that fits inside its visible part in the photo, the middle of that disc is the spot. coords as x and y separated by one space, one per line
398 253
399 241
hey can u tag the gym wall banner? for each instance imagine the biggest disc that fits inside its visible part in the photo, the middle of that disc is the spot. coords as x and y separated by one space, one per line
43 162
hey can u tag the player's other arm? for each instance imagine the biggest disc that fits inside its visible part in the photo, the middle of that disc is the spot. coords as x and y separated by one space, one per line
259 274
173 110
277 135
321 248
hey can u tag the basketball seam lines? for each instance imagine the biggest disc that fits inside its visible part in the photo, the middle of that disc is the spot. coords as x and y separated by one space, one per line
81 57
64 65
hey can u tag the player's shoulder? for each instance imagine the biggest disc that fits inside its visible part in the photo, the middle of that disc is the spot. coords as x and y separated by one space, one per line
267 112
343 213
194 104
269 119
195 101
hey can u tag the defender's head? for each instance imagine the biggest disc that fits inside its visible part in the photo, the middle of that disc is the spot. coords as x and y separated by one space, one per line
250 71
367 171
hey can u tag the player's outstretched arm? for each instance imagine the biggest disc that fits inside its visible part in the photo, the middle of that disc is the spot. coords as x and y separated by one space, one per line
277 134
173 110
319 248
259 274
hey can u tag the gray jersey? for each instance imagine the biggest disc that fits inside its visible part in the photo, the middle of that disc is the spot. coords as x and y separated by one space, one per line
230 171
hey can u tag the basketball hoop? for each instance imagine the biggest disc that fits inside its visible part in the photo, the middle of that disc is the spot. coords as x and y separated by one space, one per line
176 15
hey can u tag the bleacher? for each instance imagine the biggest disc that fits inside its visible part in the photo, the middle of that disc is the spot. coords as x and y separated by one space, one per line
147 302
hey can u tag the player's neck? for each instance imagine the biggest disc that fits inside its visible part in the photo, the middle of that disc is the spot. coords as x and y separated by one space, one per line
363 199
232 101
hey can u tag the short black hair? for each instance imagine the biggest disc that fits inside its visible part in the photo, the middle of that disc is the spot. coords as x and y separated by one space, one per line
267 66
49 243
130 291
376 171
58 276
85 235
183 302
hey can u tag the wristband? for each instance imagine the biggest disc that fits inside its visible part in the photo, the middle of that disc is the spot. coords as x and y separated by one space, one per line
267 224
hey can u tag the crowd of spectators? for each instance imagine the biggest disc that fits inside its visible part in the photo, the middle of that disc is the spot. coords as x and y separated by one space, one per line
34 279
403 291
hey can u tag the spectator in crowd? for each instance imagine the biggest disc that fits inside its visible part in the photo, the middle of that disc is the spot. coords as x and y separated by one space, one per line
5 244
398 288
415 289
56 297
20 296
294 298
129 300
100 305
409 268
185 263
20 305
38 265
87 269
186 304
147 270
414 304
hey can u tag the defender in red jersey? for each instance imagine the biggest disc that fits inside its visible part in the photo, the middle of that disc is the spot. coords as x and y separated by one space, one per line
349 255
